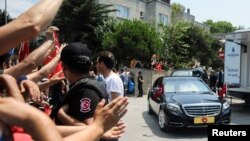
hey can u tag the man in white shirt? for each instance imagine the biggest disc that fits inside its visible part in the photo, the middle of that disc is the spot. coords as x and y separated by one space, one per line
114 85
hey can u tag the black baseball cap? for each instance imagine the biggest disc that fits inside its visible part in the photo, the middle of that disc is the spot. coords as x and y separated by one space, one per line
76 55
75 49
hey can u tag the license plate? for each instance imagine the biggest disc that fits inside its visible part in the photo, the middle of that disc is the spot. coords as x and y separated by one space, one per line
203 120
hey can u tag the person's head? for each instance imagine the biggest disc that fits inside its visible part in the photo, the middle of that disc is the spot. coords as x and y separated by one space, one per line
4 59
139 72
105 60
75 57
122 70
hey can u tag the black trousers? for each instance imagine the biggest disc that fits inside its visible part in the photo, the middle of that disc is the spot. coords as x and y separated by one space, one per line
140 90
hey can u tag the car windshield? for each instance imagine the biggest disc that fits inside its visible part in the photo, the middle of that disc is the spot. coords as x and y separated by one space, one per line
182 73
184 85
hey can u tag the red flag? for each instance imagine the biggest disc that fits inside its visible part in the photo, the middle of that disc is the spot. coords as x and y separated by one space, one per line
23 51
53 54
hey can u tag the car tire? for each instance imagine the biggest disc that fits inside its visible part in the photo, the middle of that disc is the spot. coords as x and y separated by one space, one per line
162 121
150 111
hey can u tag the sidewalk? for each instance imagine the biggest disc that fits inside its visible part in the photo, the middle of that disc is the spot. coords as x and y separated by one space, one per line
235 101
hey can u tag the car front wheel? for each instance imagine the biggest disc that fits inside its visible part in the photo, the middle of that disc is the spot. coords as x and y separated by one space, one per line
162 120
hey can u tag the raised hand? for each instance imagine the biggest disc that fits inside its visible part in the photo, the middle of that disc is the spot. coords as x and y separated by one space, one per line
108 116
50 31
31 89
116 131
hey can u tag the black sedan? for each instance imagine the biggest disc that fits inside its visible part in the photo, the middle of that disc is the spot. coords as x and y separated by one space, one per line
186 102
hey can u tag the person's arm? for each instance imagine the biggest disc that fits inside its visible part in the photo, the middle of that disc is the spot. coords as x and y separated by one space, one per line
29 89
28 25
67 119
52 81
48 68
35 122
114 95
31 61
28 117
117 89
141 79
114 133
44 71
9 83
105 118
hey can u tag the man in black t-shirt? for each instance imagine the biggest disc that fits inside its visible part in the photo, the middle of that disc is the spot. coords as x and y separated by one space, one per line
78 105
82 104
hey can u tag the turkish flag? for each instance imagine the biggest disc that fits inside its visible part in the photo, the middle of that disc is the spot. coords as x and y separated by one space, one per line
24 51
52 55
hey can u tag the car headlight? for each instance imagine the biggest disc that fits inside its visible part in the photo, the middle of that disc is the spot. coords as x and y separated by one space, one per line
173 108
226 106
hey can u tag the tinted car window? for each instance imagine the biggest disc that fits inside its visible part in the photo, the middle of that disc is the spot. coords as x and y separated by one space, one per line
197 73
182 73
184 85
192 72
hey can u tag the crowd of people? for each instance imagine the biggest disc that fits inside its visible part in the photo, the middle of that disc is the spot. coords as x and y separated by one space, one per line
91 112
85 106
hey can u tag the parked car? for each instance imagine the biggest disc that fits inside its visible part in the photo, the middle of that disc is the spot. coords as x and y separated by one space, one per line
196 72
186 102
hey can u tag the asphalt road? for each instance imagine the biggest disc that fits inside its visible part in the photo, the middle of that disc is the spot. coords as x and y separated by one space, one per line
144 127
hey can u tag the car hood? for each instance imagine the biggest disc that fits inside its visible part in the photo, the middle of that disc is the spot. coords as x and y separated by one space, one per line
187 98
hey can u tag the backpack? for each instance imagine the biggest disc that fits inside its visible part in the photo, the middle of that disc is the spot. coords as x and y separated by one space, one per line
87 83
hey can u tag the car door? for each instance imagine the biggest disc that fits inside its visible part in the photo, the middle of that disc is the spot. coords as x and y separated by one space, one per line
156 93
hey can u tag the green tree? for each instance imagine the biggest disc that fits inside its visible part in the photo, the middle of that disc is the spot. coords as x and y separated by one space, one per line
215 62
132 39
185 42
108 26
220 26
177 9
77 20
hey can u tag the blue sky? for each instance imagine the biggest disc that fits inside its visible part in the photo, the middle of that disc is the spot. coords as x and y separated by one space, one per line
234 11
16 7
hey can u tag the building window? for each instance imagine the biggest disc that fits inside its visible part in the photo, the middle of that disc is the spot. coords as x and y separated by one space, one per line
163 19
122 11
141 15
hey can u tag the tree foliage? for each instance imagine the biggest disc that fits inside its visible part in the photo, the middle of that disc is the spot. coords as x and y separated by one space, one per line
132 39
177 8
215 62
77 20
108 26
220 26
185 42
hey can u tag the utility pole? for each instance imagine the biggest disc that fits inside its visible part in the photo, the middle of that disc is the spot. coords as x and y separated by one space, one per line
5 11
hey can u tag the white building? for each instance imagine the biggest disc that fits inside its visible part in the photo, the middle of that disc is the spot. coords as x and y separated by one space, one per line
152 11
